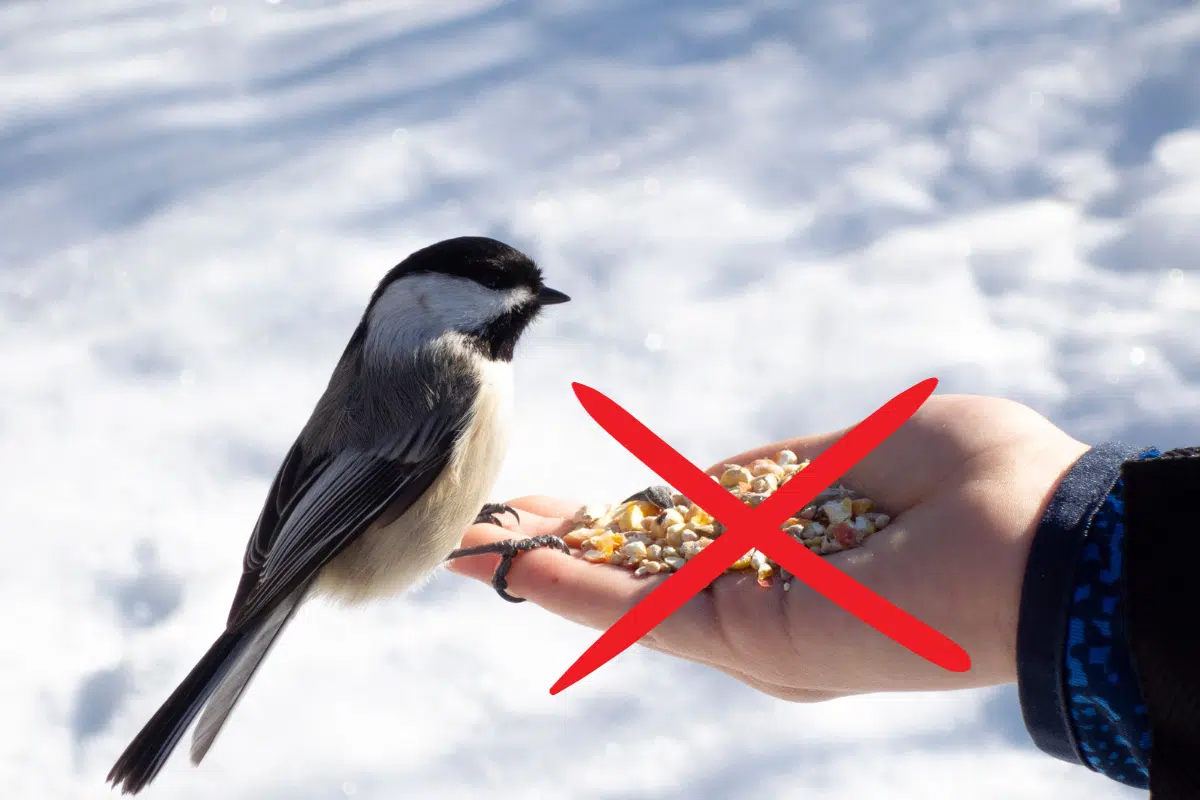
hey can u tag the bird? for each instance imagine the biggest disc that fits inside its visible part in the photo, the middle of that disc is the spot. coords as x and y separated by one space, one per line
395 462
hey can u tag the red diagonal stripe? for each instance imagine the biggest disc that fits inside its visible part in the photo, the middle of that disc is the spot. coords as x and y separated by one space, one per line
746 526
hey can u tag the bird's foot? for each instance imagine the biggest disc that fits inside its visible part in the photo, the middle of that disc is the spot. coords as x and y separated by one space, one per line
508 550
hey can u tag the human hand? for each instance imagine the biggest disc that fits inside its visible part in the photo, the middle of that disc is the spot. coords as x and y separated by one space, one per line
966 481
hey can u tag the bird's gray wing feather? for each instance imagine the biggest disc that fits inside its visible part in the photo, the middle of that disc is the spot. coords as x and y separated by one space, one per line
297 472
340 499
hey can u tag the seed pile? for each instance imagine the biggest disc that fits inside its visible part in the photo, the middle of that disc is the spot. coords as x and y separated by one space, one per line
659 530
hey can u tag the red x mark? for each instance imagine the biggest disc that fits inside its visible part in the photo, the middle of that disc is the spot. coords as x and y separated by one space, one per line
759 527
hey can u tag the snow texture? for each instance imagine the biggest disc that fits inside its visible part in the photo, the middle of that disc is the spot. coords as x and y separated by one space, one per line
197 200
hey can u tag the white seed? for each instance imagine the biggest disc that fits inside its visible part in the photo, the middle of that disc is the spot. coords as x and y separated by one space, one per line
634 551
669 552
671 517
674 535
795 531
837 511
690 550
785 458
814 529
688 535
675 562
765 483
654 552
754 498
758 559
649 568
880 520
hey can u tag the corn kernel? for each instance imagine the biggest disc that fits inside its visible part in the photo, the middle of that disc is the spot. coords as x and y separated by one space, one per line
733 475
631 518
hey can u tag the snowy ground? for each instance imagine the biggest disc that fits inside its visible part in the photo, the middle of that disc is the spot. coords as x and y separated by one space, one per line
196 201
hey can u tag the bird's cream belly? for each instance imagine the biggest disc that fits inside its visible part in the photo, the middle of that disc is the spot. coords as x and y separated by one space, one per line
389 559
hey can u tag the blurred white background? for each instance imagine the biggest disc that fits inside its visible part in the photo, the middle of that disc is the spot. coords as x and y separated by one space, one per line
772 217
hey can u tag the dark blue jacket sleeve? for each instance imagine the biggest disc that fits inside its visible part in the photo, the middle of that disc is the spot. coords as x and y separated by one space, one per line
1162 616
1080 695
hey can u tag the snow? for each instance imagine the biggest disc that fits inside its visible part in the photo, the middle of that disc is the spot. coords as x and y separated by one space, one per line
772 217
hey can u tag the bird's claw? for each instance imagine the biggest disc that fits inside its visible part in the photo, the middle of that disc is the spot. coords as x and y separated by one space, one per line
491 512
508 549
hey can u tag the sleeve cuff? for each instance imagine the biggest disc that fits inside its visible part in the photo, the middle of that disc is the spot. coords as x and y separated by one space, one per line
1047 592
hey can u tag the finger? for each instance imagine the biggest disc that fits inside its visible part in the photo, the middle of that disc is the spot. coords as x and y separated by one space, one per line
590 594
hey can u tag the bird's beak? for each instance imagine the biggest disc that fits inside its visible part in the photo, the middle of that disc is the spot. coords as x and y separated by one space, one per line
550 297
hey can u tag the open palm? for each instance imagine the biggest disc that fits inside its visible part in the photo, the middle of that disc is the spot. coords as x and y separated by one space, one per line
966 480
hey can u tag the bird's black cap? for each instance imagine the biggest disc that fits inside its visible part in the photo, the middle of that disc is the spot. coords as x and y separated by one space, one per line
486 261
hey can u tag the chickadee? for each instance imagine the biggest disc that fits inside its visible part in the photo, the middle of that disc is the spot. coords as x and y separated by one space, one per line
395 463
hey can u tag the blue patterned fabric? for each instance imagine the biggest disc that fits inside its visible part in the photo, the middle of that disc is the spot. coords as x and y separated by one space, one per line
1108 717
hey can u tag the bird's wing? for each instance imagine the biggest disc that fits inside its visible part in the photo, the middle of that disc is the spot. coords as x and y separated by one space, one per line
315 509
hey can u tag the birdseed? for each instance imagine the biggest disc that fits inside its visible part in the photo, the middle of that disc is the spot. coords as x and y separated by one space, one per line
659 530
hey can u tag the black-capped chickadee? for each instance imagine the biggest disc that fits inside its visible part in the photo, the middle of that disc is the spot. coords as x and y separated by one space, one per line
395 463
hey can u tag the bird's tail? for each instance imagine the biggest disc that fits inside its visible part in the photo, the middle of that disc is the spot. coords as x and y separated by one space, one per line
221 674
241 669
